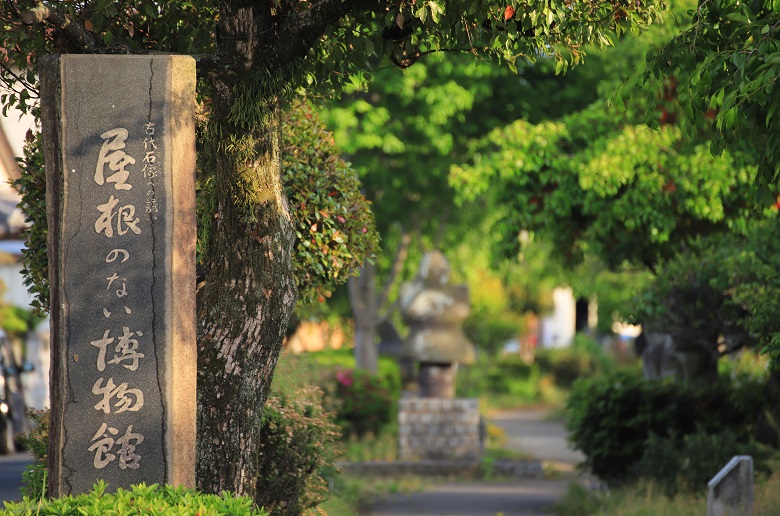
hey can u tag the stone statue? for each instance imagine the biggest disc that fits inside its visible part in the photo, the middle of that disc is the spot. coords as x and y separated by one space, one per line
434 312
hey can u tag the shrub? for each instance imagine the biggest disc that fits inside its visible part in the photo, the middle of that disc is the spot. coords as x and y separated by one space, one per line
584 358
37 442
296 454
489 331
611 418
686 464
497 375
363 402
140 499
507 382
334 226
332 360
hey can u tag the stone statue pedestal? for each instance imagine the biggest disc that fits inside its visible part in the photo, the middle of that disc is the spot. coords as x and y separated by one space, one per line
436 380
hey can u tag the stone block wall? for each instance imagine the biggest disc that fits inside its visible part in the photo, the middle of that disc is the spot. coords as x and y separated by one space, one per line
438 429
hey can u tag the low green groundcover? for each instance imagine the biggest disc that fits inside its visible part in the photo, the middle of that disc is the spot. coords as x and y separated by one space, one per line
140 499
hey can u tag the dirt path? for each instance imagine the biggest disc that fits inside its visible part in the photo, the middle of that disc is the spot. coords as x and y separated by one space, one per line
531 432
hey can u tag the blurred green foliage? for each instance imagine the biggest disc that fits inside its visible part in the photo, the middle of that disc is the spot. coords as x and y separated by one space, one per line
508 381
685 464
725 67
612 418
598 181
721 286
359 402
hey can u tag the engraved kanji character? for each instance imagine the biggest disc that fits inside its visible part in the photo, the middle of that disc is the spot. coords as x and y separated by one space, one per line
111 154
129 399
124 218
104 223
149 128
133 403
103 446
126 214
150 143
150 171
127 347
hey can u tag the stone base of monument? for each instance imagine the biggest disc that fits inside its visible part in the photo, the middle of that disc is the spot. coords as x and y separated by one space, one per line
439 429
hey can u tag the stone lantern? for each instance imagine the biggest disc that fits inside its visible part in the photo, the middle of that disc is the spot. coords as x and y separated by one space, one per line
434 312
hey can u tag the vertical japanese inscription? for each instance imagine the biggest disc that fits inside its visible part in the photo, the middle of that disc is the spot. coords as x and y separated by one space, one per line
116 398
114 251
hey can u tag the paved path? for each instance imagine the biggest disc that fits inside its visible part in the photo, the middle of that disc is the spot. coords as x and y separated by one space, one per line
534 432
527 431
11 468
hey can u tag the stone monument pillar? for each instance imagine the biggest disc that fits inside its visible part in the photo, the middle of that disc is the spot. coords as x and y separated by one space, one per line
434 312
119 142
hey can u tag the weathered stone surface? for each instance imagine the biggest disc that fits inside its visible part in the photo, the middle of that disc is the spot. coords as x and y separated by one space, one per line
730 492
437 380
434 312
120 160
439 429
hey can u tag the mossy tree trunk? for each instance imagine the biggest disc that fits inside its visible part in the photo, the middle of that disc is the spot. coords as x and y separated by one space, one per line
250 289
245 305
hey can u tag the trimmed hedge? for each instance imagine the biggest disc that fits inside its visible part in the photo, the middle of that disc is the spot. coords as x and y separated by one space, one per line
612 419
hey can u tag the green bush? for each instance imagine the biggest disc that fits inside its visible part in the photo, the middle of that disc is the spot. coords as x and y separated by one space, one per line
612 418
498 375
334 226
489 332
584 358
140 499
297 453
332 360
686 464
363 402
37 443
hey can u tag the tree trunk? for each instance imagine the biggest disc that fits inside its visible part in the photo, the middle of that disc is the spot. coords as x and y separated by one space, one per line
249 292
363 299
247 300
366 304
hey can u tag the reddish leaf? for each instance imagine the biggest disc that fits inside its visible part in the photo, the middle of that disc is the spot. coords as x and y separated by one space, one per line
509 12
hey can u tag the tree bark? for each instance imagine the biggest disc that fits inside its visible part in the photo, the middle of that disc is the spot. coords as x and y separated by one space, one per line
366 305
249 292
363 300
247 299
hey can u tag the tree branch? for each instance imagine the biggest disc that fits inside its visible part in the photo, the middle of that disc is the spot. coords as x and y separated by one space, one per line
19 79
299 32
78 38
